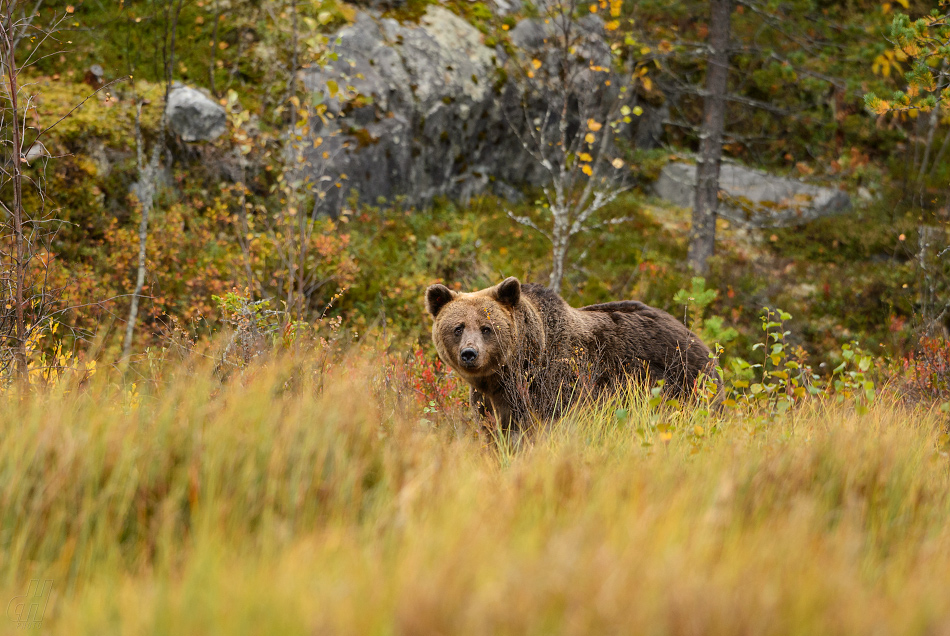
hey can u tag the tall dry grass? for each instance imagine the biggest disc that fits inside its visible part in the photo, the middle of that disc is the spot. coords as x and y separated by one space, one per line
261 506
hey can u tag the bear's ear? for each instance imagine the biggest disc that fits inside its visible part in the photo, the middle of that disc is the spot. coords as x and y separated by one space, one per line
508 291
436 298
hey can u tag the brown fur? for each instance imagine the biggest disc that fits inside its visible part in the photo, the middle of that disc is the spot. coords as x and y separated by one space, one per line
534 354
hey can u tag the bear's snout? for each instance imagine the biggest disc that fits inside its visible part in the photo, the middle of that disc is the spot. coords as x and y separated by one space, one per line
468 356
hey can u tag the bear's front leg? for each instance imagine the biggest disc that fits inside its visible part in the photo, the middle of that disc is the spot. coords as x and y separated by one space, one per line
477 400
497 407
504 415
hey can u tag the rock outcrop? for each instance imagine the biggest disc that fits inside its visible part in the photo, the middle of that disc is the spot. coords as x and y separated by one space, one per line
438 109
754 198
434 127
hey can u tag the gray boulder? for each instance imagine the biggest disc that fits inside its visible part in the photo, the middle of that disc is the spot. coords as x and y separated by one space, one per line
441 115
436 115
754 198
433 124
194 116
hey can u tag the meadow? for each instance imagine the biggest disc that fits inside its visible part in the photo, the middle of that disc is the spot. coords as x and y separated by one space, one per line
290 499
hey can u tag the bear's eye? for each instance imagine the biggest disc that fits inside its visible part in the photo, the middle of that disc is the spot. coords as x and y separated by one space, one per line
486 331
458 330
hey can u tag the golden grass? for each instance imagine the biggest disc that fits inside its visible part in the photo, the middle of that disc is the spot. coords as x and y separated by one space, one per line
262 507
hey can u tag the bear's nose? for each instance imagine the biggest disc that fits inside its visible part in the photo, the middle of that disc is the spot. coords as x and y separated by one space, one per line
468 355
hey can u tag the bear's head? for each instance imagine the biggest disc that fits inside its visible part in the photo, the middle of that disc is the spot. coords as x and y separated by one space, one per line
475 333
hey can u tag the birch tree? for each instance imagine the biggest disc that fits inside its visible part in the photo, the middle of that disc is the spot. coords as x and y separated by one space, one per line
571 108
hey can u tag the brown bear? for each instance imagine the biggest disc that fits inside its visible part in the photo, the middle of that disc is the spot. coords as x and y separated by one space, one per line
527 354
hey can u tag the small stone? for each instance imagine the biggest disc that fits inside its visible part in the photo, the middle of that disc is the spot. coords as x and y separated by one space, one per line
94 76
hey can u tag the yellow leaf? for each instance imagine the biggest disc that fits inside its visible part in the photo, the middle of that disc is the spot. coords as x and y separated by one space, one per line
587 170
585 157
617 163
637 111
879 63
348 11
666 436
904 3
615 6
589 138
593 8
333 87
594 125
536 64
613 25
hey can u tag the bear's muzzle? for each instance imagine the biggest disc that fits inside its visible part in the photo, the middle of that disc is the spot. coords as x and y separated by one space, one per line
468 356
